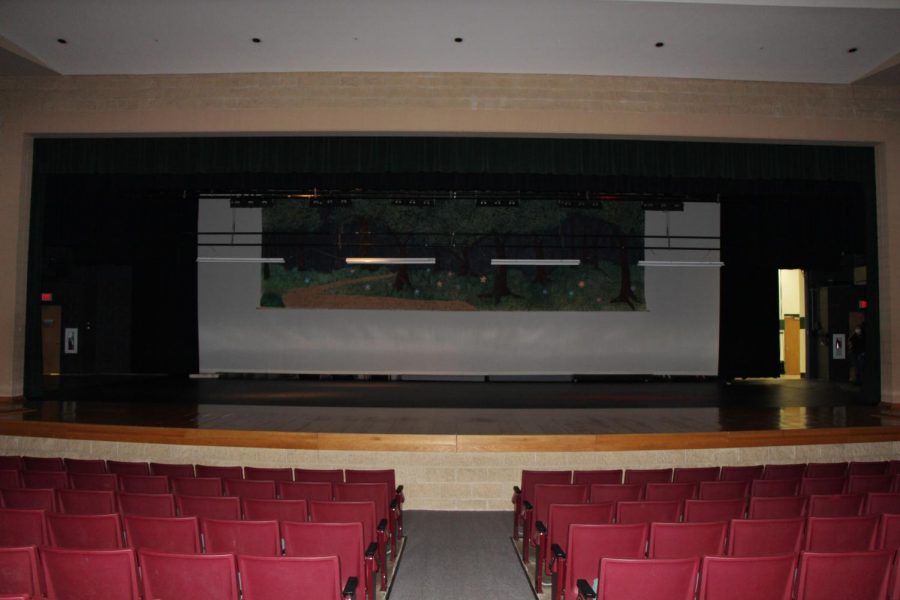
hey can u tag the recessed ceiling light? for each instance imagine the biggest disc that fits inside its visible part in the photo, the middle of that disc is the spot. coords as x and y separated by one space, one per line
255 40
659 44
852 50
61 41
458 40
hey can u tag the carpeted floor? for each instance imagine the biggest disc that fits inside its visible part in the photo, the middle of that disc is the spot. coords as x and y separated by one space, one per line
459 555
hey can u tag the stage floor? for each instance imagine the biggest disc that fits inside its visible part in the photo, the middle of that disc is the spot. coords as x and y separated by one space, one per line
453 408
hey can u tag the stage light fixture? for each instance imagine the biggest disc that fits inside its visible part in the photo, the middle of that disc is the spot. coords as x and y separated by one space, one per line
239 260
390 260
535 262
680 263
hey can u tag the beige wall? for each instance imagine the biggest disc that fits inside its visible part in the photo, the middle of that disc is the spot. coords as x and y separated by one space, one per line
305 103
449 480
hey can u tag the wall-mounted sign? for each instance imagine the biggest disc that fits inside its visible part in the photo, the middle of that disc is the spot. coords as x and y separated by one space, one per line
839 346
70 340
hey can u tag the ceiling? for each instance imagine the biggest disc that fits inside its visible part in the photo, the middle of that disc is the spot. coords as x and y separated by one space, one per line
825 41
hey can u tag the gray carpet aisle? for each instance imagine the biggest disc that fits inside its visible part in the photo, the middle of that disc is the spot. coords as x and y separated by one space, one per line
450 555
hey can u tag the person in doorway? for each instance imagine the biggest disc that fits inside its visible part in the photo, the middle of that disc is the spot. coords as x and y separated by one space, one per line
857 343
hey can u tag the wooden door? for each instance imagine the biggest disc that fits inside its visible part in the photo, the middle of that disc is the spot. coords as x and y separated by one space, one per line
51 337
791 345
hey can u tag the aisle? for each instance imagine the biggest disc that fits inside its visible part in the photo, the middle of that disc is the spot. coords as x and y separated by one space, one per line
450 555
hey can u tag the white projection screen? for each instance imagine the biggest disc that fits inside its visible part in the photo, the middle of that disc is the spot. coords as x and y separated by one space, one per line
678 334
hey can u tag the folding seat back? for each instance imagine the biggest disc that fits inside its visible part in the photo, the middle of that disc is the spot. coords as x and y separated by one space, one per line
108 482
863 484
250 488
893 467
684 540
39 463
208 507
169 576
305 490
12 463
645 476
771 488
706 511
829 470
245 538
723 490
590 477
344 540
741 473
269 473
86 502
387 476
839 505
792 471
44 499
875 467
147 505
177 535
778 507
19 572
57 480
85 465
377 493
616 492
223 473
546 495
256 509
747 578
197 486
889 532
22 527
554 532
172 470
817 486
651 579
122 467
649 511
10 478
290 578
670 491
87 574
878 503
319 475
843 575
841 534
526 492
695 474
144 484
765 537
588 544
85 532
346 512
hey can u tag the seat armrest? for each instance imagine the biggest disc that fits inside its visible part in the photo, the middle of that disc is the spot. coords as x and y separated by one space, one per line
557 551
382 526
395 504
399 490
372 550
349 591
527 505
517 490
585 590
540 527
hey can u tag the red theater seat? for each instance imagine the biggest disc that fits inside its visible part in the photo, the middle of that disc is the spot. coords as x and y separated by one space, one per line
863 484
741 473
644 476
705 511
94 481
356 512
223 473
86 502
85 532
747 578
210 507
10 479
839 505
144 484
608 476
843 575
695 474
19 571
57 480
248 488
723 490
22 527
670 491
818 486
651 579
344 540
147 505
90 574
792 471
875 467
30 498
197 486
168 576
878 503
85 465
772 488
172 470
121 467
815 470
526 492
684 540
785 507
268 474
841 534
256 509
556 532
178 535
765 537
545 495
645 511
247 538
587 545
616 492
305 490
290 578
37 463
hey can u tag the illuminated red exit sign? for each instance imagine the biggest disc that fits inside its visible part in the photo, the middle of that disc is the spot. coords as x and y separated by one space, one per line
46 297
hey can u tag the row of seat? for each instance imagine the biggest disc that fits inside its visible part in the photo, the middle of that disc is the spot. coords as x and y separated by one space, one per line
126 574
818 577
578 538
365 542
714 483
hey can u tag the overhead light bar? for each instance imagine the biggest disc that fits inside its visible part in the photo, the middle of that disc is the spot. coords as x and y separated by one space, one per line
390 260
680 263
240 260
535 262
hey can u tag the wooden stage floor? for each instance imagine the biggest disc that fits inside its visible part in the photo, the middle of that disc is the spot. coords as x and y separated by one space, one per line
454 416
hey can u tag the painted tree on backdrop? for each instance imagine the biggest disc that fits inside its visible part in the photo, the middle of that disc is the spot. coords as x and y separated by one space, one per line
293 221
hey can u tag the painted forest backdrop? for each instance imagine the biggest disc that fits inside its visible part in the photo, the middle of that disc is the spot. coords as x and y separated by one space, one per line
315 238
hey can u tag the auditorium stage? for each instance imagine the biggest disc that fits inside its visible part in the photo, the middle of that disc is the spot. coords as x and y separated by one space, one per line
293 412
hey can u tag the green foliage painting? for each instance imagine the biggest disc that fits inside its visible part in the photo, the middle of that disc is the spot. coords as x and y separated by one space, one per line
315 242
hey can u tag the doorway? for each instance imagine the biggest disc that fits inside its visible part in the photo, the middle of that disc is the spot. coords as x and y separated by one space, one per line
792 318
